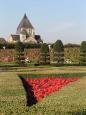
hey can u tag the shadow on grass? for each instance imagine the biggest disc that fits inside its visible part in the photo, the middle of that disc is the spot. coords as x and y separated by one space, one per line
31 99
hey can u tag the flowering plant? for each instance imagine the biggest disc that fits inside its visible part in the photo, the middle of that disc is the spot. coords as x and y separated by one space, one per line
42 87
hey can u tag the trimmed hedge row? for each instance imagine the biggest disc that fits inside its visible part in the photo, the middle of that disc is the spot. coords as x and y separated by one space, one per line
65 75
12 45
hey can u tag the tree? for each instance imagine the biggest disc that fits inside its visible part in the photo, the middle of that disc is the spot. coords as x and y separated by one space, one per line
20 59
83 53
45 56
58 49
19 47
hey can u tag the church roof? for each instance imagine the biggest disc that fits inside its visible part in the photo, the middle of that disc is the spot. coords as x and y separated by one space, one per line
15 37
24 32
25 23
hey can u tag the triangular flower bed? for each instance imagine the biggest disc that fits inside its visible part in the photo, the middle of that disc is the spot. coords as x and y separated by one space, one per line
38 88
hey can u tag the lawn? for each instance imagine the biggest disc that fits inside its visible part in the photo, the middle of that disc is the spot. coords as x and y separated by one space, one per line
71 99
6 64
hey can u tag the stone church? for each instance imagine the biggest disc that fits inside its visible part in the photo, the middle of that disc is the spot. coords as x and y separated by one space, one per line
25 33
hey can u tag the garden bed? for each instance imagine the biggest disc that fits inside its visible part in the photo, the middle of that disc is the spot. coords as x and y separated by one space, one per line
40 87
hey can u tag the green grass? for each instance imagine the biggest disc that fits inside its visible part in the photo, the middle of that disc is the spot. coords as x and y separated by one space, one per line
14 64
8 64
70 100
65 75
12 94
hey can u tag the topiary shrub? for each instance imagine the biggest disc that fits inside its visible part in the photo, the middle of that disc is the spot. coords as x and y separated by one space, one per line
20 59
45 56
58 49
28 45
83 53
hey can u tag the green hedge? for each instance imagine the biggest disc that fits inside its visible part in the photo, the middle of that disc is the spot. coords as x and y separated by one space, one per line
26 45
67 75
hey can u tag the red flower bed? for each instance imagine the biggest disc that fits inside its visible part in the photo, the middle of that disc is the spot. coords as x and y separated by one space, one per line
42 87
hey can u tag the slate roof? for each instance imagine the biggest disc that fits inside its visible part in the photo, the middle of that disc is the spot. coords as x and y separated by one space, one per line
15 37
25 23
23 32
2 40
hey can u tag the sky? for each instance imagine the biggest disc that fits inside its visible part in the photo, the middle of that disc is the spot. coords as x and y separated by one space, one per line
52 19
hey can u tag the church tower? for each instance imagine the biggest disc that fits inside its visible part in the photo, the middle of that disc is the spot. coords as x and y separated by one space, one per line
25 27
25 33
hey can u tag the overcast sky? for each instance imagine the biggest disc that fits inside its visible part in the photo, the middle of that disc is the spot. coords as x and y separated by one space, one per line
52 19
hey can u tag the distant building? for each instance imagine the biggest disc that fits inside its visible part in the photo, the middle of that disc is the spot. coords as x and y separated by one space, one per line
14 38
25 33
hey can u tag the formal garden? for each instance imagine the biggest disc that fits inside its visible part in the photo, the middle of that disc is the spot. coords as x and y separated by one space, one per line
44 86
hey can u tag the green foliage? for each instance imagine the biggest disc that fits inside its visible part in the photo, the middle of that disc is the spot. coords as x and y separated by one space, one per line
13 45
72 54
27 45
12 94
8 64
59 57
60 75
1 46
19 47
58 46
44 48
69 45
7 45
70 100
83 53
10 45
20 59
83 46
45 56
58 49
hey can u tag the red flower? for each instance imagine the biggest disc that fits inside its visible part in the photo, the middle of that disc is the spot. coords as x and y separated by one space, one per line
42 87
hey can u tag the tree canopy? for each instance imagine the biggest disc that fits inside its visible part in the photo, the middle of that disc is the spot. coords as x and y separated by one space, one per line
83 46
45 56
44 48
20 59
58 46
19 47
